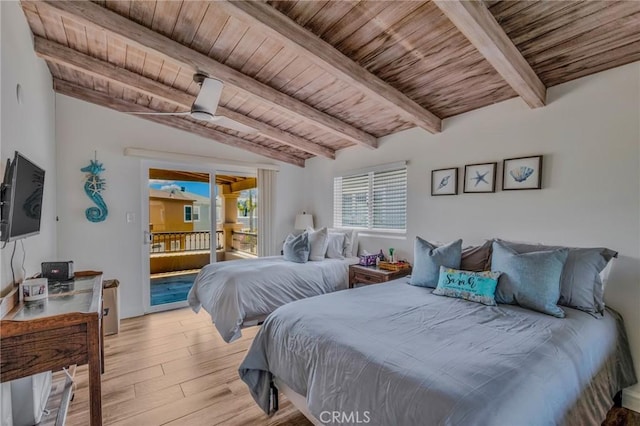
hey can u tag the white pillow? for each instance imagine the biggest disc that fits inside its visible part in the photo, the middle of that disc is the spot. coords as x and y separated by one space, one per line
319 240
604 274
335 248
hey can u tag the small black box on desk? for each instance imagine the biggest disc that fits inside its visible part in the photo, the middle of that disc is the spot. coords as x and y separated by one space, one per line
59 271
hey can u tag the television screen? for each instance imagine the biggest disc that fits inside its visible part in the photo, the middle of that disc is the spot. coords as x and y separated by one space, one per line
22 207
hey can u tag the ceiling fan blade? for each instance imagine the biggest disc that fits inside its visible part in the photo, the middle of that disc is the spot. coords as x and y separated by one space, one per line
160 113
233 125
209 96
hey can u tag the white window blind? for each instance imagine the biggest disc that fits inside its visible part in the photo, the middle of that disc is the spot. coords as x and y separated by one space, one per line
375 200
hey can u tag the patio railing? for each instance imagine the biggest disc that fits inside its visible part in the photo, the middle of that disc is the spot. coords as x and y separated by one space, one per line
245 241
177 242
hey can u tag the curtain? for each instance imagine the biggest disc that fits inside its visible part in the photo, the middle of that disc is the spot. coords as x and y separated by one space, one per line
266 212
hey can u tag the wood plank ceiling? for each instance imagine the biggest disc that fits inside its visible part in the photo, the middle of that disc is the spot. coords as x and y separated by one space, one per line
314 77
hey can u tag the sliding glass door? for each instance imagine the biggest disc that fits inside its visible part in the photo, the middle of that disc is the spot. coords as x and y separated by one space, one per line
180 235
193 216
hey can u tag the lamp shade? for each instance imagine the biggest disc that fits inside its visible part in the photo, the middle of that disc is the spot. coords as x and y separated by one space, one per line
303 221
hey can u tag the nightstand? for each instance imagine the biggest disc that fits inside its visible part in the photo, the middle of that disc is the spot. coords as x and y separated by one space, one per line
359 274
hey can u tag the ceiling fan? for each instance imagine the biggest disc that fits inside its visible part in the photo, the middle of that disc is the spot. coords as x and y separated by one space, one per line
206 104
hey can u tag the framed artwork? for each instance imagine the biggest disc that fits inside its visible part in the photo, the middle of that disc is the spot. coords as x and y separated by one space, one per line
480 177
522 173
444 181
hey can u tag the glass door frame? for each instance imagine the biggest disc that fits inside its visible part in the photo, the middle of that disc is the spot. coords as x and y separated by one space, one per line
144 221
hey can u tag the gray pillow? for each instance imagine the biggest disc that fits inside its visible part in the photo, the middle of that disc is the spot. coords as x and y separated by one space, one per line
531 280
297 248
335 246
477 258
428 258
581 286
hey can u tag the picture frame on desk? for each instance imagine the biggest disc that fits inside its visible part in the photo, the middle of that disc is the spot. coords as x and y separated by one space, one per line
34 289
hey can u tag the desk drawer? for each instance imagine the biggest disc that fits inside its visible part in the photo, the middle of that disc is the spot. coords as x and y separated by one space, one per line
363 278
48 350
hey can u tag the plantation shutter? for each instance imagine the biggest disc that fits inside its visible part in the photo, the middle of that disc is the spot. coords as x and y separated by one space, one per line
375 200
353 197
389 210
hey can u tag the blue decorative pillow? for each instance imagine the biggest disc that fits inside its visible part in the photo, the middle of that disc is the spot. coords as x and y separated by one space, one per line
428 258
473 286
297 248
580 284
531 280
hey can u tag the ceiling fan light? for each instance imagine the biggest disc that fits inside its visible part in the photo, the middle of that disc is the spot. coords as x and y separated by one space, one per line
201 115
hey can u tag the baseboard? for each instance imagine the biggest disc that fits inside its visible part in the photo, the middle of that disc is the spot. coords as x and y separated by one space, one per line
631 398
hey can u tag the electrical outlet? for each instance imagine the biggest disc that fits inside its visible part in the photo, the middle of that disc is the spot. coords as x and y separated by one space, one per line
131 217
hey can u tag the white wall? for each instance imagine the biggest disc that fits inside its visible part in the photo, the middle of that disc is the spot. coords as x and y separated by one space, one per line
114 246
589 135
28 127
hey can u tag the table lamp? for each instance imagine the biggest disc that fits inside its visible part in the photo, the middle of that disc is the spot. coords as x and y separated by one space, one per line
303 221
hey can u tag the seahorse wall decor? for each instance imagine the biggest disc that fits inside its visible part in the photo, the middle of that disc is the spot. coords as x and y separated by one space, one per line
93 187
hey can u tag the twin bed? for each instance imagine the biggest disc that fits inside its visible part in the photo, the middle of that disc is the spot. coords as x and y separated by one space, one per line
397 354
241 293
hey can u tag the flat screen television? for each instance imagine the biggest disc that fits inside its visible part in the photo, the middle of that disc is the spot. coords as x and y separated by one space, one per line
22 191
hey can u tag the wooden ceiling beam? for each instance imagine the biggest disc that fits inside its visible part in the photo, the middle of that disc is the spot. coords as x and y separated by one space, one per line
98 98
65 56
476 22
280 27
93 15
248 183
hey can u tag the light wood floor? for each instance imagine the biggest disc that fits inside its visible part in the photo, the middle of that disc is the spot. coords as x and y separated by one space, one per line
173 368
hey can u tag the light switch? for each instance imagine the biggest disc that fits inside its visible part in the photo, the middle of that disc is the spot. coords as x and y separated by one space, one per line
131 217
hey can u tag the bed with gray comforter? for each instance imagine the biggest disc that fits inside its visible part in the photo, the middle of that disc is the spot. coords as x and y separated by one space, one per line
408 357
235 291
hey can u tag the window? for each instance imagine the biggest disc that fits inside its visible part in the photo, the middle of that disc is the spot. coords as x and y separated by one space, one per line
375 199
196 213
188 213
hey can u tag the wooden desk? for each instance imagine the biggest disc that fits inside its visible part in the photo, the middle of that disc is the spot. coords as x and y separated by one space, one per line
54 333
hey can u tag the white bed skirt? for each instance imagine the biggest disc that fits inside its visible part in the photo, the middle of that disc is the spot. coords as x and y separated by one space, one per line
299 401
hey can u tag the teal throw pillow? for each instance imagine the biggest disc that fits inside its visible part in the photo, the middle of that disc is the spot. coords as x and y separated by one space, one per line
473 286
531 280
428 258
580 284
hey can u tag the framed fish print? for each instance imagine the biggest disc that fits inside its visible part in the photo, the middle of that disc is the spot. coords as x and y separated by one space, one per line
444 181
522 173
480 178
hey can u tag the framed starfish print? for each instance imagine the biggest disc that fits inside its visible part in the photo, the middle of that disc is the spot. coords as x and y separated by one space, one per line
444 181
480 177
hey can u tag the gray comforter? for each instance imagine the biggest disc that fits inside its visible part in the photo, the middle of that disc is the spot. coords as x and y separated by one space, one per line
407 357
239 290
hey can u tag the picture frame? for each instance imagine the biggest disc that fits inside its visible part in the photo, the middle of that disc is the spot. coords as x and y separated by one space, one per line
480 178
522 173
34 289
444 181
